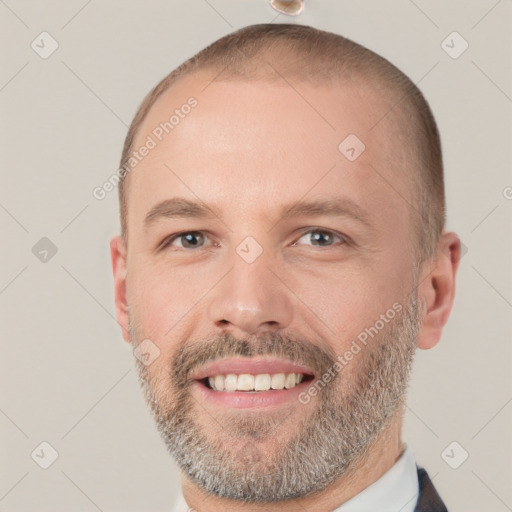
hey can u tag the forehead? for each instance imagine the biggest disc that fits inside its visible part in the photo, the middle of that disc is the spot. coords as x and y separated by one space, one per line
250 113
248 144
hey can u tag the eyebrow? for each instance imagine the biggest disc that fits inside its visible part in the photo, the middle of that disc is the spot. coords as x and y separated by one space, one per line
179 207
342 207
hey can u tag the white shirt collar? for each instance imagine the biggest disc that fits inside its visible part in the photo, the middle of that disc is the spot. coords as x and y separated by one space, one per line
395 491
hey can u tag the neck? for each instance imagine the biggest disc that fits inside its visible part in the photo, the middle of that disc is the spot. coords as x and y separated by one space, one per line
380 457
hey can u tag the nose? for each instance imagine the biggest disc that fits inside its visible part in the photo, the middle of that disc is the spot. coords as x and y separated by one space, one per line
250 298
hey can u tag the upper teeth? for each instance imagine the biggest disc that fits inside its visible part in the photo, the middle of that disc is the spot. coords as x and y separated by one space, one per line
260 382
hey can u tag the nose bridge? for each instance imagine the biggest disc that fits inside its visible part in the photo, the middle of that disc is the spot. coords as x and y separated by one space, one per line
250 297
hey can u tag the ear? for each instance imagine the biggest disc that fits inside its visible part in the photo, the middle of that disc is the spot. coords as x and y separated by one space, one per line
437 289
118 258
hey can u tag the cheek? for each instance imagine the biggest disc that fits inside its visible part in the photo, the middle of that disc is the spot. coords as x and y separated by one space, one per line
348 299
160 298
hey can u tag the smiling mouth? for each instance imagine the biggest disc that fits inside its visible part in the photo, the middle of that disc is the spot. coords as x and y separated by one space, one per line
254 383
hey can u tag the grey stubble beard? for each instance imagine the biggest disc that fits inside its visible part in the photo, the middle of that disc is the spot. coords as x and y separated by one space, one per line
229 461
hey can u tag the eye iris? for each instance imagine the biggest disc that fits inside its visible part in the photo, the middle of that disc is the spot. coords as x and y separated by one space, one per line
321 236
193 239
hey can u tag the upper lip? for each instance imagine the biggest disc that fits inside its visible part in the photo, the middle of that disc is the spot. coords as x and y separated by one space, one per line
252 366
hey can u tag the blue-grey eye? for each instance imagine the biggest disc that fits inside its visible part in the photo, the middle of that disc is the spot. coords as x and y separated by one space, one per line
189 240
320 238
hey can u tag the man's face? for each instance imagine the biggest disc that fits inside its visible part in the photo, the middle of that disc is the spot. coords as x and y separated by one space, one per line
260 278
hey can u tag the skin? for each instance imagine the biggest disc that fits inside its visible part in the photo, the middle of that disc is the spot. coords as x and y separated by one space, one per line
248 150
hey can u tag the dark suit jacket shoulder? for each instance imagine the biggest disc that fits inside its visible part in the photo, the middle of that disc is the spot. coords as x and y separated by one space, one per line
428 499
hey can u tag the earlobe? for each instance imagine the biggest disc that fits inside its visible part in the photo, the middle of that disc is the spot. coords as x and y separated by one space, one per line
437 289
119 268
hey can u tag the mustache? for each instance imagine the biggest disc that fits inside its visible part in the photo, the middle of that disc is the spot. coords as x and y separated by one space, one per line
192 355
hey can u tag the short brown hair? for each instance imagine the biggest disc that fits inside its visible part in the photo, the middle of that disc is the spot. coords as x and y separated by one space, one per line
308 54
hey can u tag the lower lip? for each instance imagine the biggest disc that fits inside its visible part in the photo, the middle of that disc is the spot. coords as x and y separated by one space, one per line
248 399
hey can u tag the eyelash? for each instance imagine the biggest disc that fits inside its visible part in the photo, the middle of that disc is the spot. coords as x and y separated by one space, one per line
344 240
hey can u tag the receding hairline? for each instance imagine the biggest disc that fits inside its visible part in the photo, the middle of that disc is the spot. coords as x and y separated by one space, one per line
306 54
336 85
209 76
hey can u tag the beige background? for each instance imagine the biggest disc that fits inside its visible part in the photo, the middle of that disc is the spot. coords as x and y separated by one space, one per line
67 376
